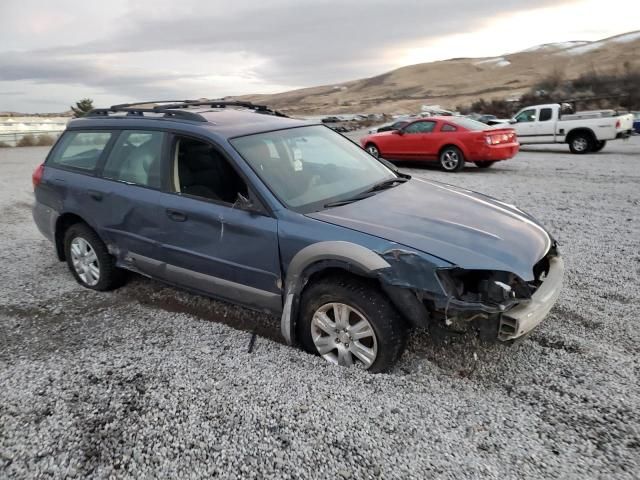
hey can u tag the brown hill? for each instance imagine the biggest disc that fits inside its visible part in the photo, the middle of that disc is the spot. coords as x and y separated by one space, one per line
461 80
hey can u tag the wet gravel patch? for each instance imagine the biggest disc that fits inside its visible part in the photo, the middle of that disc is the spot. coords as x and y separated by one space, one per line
153 382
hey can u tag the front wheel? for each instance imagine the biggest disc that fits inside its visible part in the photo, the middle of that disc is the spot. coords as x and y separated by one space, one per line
373 150
484 164
451 159
599 145
350 322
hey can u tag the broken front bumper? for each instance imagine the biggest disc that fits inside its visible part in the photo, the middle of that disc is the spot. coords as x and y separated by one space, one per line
523 318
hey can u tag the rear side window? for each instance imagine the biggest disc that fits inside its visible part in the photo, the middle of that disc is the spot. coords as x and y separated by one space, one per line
448 128
420 127
136 158
545 114
80 150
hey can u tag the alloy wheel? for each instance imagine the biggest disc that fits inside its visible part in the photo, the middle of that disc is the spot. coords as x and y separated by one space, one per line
373 150
85 261
450 159
580 144
343 336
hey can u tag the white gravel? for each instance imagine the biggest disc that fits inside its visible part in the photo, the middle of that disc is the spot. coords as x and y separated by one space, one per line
152 382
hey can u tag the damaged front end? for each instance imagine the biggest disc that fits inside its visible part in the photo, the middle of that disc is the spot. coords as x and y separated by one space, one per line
497 304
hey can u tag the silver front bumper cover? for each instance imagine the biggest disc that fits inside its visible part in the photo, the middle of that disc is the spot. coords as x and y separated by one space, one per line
521 319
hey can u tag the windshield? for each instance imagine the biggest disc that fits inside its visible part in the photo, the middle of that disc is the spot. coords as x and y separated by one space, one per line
308 167
468 123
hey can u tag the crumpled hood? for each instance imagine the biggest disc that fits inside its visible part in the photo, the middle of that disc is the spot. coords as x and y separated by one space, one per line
464 228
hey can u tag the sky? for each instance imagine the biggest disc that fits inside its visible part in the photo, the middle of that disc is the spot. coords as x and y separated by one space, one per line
55 52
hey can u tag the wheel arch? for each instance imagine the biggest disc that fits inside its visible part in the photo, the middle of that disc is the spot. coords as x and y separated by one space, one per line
63 222
578 130
339 257
318 258
459 146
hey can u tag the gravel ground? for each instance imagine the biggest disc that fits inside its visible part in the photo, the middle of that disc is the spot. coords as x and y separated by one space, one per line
152 382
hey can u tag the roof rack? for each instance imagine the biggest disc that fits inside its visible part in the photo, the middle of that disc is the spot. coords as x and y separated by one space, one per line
223 104
140 112
179 108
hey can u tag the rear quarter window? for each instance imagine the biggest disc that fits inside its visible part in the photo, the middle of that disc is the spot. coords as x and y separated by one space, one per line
80 150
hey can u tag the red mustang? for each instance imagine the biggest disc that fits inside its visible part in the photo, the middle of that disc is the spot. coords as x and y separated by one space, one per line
451 141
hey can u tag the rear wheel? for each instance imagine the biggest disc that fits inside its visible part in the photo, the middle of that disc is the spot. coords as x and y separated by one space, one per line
373 150
451 159
484 164
89 260
599 145
350 322
580 143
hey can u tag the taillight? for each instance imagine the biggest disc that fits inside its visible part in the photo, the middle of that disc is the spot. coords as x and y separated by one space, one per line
618 123
36 177
499 138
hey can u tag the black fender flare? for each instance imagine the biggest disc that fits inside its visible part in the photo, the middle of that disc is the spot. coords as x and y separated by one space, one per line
350 256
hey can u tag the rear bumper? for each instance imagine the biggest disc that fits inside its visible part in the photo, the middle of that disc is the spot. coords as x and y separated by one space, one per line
498 152
521 319
45 219
625 134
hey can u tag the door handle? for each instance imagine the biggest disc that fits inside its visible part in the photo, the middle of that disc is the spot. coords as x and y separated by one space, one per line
97 196
176 216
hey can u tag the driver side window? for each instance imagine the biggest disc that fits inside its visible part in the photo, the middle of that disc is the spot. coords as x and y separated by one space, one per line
200 170
420 127
526 116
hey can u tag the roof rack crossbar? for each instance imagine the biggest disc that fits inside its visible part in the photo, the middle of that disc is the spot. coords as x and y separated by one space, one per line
168 113
222 104
146 102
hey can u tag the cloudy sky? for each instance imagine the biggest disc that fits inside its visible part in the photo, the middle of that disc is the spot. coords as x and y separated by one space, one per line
53 52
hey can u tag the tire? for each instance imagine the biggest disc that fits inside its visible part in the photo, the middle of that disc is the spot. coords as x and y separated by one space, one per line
372 149
383 335
599 145
451 159
581 143
81 245
484 164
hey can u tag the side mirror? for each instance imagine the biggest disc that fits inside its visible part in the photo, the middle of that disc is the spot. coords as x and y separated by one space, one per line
398 132
243 202
512 121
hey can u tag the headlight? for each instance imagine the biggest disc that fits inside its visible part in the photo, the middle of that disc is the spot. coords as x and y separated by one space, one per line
483 286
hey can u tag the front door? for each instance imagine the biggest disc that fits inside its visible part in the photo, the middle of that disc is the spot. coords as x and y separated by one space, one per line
414 142
525 126
545 126
210 242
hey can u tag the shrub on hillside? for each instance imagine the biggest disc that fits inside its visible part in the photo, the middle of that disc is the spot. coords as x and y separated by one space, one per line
45 140
28 140
591 90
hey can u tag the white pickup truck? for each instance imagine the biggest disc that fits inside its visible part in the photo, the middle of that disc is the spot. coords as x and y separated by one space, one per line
584 131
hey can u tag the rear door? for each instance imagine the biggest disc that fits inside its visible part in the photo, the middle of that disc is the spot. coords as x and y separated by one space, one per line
127 200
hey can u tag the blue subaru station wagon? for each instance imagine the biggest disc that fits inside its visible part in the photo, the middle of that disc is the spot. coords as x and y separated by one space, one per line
238 202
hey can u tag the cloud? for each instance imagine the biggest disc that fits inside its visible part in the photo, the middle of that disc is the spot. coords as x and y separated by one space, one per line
126 50
301 43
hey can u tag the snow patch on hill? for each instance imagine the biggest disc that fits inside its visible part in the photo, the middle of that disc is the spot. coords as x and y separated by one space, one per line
626 38
555 46
494 62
